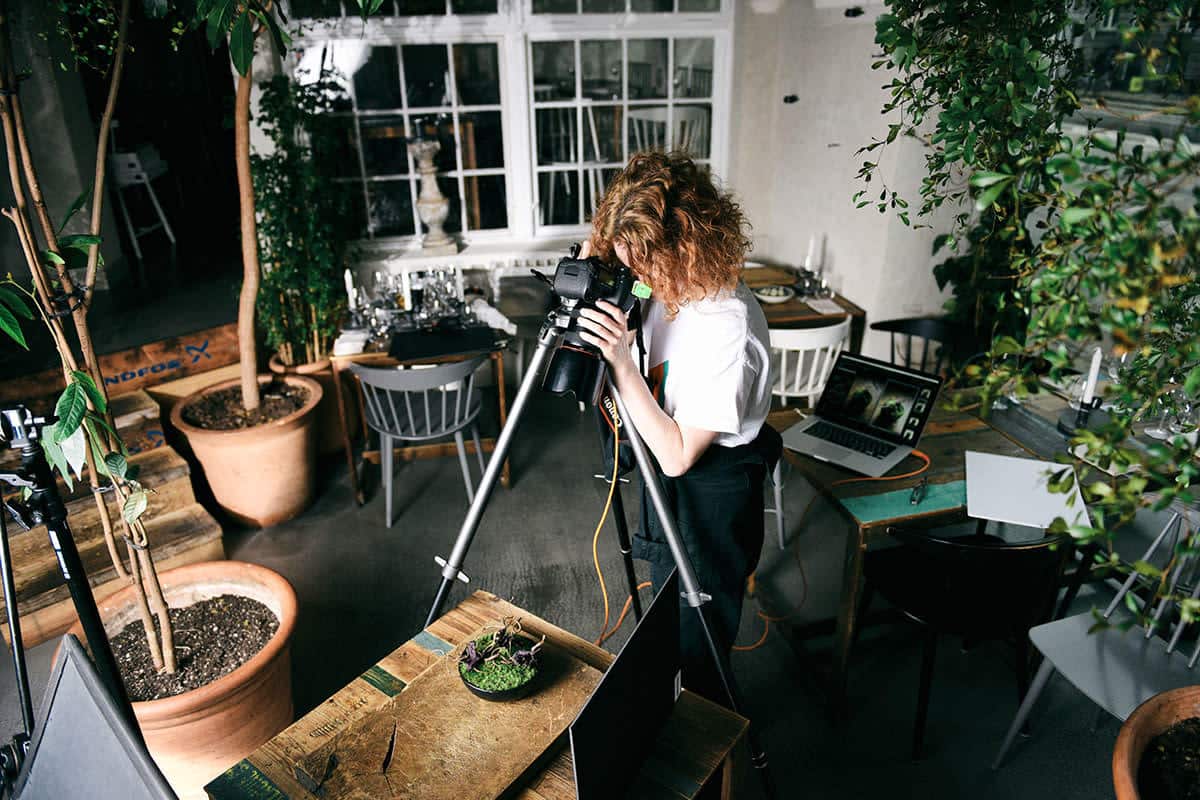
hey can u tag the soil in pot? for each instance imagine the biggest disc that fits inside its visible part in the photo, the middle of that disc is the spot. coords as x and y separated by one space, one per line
1170 766
222 410
212 638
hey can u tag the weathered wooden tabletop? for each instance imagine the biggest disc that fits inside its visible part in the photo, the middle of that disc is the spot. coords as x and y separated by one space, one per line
696 741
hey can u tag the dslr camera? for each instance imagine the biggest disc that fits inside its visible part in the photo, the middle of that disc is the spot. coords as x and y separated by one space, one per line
577 367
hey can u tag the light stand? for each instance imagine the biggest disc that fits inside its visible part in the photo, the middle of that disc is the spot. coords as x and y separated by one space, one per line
548 341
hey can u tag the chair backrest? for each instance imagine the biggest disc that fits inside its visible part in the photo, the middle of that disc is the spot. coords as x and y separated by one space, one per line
419 403
989 586
936 334
1180 569
126 168
805 358
690 134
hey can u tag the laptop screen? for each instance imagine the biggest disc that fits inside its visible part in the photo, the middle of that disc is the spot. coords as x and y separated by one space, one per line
875 397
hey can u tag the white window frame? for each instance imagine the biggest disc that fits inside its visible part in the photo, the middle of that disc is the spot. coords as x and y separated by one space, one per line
513 30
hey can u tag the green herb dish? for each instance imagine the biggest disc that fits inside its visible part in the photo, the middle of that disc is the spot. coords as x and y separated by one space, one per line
500 665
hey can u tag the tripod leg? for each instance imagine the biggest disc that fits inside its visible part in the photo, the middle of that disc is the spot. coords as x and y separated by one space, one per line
483 493
619 520
687 578
14 628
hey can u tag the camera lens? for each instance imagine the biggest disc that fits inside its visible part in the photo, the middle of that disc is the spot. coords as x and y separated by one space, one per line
574 371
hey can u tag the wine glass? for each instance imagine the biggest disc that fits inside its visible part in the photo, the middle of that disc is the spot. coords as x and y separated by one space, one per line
1160 430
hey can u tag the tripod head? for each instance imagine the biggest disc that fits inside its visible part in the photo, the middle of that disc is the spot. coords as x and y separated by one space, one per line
20 427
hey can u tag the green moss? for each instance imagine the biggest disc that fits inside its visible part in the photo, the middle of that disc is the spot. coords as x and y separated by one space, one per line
495 676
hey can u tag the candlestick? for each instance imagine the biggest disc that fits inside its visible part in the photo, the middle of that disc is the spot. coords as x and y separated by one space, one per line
1089 388
351 300
812 247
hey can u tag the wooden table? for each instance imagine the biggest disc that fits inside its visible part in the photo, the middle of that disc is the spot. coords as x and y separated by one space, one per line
869 507
377 358
795 313
697 740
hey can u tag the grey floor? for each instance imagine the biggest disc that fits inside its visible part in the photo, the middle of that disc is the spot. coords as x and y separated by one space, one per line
364 589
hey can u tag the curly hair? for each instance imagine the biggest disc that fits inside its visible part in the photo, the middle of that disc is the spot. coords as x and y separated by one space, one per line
687 237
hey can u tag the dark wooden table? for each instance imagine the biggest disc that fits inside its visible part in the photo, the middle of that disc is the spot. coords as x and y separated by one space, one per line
380 358
698 740
796 313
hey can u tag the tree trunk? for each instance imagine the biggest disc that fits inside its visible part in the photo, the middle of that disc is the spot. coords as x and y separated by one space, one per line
247 346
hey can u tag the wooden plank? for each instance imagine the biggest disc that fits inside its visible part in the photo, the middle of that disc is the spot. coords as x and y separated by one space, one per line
168 393
414 452
193 544
137 367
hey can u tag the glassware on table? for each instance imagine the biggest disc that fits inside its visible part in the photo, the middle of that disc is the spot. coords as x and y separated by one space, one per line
1160 430
1187 413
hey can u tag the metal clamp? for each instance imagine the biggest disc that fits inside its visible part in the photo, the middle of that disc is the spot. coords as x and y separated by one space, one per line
441 562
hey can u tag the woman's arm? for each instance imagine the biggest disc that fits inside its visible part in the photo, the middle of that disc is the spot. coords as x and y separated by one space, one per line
677 447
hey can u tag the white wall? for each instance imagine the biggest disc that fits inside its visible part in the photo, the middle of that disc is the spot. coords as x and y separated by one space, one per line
793 165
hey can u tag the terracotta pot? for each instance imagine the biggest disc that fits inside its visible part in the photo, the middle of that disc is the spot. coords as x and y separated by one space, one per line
261 475
329 426
1147 721
197 735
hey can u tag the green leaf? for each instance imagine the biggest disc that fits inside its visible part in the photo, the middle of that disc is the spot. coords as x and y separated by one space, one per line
989 195
82 242
1075 215
78 204
1147 569
54 455
9 324
218 21
1191 384
281 39
983 179
53 257
15 303
241 43
116 464
74 450
135 506
89 388
70 408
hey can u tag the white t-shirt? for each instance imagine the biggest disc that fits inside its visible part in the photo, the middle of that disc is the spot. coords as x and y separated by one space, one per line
710 365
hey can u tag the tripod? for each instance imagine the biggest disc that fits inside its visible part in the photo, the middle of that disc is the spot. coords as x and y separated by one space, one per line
43 505
548 341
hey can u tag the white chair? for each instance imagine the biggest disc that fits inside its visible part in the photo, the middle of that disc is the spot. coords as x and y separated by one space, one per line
690 134
1119 670
140 168
809 353
559 128
420 405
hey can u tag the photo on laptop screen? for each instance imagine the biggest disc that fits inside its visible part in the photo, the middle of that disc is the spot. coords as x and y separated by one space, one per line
875 398
620 723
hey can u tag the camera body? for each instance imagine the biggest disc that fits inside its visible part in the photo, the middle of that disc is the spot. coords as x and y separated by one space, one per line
577 367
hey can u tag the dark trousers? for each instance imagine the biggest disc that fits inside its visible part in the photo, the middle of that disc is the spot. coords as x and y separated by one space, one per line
718 510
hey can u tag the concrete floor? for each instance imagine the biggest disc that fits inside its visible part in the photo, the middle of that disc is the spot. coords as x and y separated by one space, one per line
364 589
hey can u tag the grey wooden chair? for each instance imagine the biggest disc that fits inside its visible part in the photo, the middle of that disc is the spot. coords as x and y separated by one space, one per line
1119 669
420 405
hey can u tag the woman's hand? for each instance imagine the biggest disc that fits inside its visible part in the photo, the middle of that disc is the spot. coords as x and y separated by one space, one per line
607 328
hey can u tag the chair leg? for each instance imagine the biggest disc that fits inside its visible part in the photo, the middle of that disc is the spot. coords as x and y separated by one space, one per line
777 479
462 461
1035 689
927 662
478 450
864 605
520 361
387 461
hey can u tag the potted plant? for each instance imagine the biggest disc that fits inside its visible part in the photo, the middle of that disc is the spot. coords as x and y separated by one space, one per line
303 245
1157 755
1099 237
502 664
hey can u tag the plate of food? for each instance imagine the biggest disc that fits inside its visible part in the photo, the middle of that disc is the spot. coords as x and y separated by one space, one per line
774 294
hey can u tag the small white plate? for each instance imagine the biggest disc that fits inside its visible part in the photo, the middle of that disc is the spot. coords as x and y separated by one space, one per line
775 294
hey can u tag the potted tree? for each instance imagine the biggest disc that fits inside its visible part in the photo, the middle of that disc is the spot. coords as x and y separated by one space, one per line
1098 238
303 246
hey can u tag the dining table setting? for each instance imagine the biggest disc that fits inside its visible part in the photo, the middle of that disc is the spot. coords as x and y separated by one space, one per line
800 297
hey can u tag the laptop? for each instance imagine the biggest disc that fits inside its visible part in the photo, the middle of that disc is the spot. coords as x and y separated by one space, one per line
869 417
630 705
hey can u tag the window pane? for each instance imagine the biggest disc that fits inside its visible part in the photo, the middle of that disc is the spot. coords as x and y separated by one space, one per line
647 68
315 9
377 81
336 144
557 138
555 6
558 198
477 73
699 5
473 6
453 223
601 65
653 5
391 208
598 181
384 148
482 140
487 204
647 128
356 213
425 71
553 70
693 67
602 133
603 6
692 129
415 8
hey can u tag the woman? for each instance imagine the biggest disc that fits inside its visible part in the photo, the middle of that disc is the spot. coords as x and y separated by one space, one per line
702 415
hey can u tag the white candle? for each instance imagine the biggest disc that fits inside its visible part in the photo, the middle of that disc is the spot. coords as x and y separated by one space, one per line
812 248
1089 388
350 290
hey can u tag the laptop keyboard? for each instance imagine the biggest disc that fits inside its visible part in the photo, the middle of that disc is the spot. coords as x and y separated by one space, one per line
855 441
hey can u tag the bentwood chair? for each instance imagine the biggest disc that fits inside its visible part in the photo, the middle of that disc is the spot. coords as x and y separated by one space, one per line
978 587
420 405
1119 669
936 335
801 360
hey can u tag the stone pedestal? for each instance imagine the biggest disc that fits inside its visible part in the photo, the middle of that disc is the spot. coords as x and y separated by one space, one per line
432 206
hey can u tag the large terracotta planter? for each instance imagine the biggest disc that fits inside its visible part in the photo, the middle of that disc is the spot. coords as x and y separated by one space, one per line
197 735
329 426
1147 721
261 475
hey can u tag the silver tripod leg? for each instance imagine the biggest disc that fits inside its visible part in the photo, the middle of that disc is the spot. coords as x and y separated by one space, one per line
452 567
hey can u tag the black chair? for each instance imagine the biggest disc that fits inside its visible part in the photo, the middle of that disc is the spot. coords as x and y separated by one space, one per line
939 339
978 587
